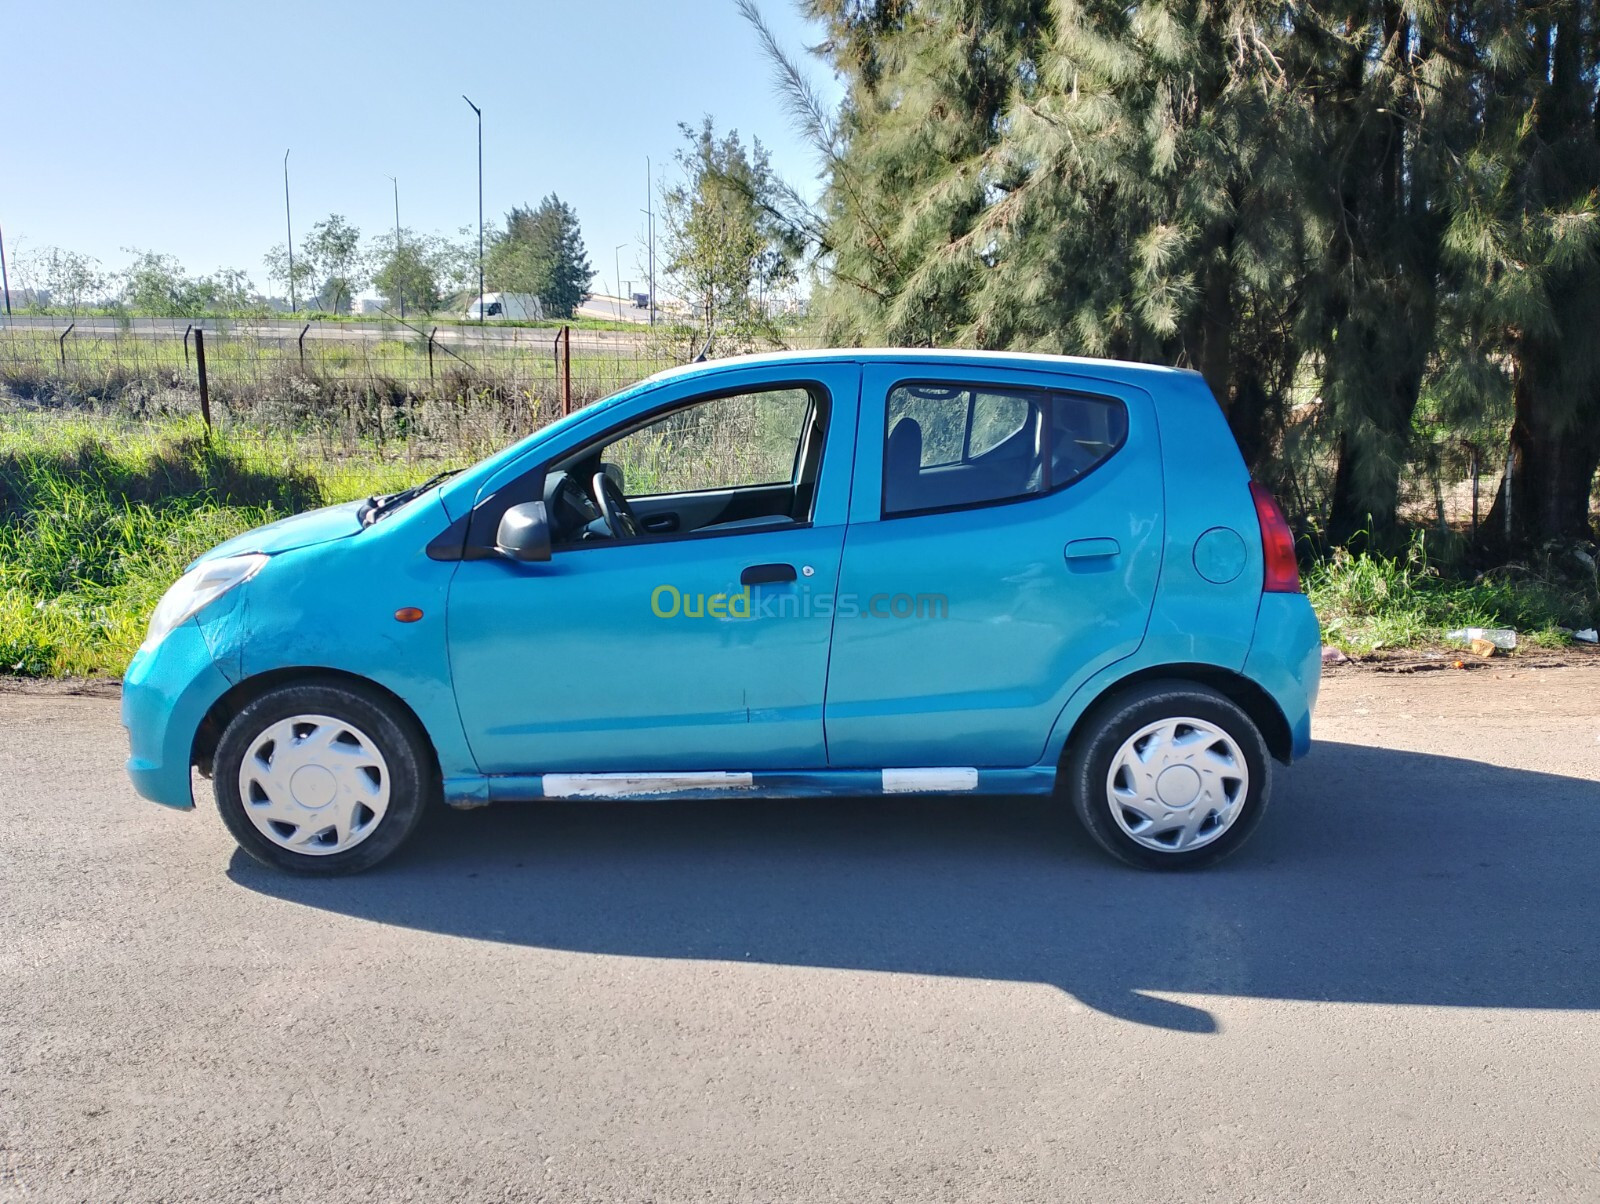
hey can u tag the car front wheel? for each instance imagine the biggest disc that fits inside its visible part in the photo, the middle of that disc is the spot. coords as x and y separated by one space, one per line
1169 775
322 777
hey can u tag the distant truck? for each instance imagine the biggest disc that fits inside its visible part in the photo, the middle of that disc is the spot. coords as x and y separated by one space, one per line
507 307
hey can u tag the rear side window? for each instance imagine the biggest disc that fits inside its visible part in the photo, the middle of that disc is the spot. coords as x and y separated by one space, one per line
952 446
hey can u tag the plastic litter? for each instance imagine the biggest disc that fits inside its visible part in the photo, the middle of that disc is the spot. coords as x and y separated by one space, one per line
1502 638
1332 656
1587 636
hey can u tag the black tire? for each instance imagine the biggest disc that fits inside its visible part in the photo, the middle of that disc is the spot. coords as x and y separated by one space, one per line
407 755
1103 732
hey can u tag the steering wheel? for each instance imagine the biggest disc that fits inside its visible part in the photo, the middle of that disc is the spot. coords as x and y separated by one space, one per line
614 507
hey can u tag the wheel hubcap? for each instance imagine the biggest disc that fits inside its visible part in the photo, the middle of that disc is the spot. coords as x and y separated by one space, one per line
314 784
1177 784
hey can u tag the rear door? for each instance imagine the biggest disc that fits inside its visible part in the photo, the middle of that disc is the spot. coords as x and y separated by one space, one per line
1004 544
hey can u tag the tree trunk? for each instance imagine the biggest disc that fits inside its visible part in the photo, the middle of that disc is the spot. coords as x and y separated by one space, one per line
1553 465
1366 493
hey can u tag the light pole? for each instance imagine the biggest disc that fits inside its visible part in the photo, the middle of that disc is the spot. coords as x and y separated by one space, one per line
479 112
289 231
650 214
5 281
617 254
399 287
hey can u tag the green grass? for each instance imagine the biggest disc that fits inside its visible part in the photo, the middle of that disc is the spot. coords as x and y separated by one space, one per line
97 518
96 522
1370 601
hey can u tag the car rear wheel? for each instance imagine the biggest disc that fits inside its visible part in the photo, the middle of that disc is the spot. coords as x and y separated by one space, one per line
322 777
1169 775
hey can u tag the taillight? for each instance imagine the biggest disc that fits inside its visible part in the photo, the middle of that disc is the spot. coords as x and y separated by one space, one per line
1277 543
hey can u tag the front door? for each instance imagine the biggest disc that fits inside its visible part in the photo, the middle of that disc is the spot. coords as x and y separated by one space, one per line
1004 545
698 643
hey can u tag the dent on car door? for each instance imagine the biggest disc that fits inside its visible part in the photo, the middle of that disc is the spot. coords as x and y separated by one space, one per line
625 655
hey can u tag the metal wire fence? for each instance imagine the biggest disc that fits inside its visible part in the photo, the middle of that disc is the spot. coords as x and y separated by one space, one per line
434 390
372 380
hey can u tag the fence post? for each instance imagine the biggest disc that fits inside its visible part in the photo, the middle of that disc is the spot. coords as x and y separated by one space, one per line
431 333
302 342
187 330
566 371
62 344
1474 493
205 391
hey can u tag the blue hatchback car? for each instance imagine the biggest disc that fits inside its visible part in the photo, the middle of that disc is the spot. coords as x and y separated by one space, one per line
831 573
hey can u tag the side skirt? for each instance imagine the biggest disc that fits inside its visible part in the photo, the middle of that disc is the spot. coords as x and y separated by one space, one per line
812 783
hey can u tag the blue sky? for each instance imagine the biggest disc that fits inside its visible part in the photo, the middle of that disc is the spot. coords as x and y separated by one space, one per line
162 125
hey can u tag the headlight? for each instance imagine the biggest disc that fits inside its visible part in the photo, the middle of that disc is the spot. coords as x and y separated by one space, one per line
198 588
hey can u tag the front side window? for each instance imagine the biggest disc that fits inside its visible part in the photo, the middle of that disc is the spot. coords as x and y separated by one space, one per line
724 443
732 462
950 446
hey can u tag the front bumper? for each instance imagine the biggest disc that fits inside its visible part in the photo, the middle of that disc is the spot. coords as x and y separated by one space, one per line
166 692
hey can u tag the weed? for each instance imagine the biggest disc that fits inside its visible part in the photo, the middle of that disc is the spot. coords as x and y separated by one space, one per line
1369 601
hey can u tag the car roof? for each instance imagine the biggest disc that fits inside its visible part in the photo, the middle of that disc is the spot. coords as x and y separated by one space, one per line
1120 370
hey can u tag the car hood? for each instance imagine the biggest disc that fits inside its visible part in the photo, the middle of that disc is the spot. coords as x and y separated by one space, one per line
296 531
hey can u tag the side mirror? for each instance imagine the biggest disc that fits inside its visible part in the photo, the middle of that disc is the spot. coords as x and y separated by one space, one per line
524 533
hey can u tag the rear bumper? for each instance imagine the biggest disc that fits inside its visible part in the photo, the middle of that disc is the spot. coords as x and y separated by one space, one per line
1286 660
166 692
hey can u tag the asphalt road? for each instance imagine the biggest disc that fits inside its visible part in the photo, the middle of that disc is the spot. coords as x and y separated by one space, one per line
1391 994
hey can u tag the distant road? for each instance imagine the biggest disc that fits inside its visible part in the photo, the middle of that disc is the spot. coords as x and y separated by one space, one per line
288 330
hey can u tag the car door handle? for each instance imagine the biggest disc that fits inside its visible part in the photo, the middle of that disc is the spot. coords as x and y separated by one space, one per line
660 522
767 574
1089 549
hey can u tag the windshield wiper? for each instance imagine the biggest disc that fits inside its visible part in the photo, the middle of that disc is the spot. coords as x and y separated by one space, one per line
379 504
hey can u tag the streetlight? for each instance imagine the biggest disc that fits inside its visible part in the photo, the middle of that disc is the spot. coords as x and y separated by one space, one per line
479 112
618 256
294 306
398 286
5 280
650 213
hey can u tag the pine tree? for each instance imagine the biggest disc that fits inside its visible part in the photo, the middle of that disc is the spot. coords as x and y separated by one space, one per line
1389 205
541 252
1522 243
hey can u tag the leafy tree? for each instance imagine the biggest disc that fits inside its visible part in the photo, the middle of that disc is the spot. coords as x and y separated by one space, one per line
723 250
328 263
71 279
333 250
408 271
157 285
294 278
541 252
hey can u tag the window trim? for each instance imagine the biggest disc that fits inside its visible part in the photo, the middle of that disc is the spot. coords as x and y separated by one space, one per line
1046 393
490 509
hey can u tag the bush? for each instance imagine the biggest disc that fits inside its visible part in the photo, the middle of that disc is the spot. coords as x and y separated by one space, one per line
95 526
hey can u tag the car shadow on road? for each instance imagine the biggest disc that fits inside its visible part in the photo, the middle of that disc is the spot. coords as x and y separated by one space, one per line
1378 877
